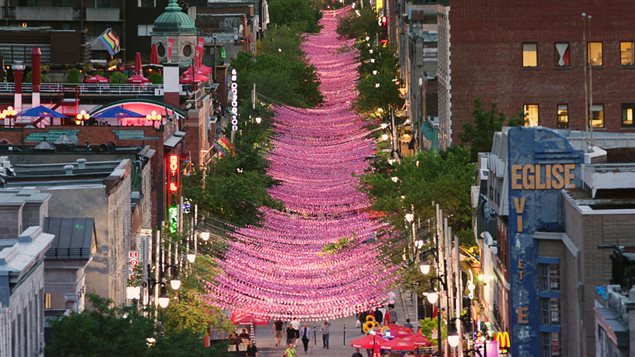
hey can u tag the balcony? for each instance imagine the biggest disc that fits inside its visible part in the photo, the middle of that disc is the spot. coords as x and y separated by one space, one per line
44 13
102 14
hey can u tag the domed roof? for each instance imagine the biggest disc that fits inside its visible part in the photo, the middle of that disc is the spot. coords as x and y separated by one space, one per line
173 21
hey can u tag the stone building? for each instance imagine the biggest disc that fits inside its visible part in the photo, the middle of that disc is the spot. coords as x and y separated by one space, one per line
174 33
23 246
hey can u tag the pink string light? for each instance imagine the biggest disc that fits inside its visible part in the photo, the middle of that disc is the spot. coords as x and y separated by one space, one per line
279 270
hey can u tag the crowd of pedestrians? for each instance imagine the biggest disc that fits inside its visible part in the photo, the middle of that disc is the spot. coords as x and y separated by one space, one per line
294 334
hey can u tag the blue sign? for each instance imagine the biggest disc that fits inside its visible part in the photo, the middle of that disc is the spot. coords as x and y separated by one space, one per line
541 163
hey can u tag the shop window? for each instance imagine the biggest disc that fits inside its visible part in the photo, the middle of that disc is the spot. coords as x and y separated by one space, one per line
563 116
628 111
562 54
594 52
597 115
531 114
530 55
627 53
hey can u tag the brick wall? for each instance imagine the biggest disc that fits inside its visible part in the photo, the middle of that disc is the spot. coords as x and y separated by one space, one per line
486 58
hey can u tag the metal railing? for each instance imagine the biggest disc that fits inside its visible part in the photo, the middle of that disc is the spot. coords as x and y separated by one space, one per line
88 88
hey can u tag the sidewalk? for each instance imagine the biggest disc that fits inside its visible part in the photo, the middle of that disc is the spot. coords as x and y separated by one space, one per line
339 344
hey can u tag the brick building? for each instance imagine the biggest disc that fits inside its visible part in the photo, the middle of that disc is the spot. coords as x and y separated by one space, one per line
528 56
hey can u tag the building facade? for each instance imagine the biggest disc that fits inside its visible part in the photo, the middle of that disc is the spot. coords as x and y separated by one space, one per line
547 214
22 273
529 58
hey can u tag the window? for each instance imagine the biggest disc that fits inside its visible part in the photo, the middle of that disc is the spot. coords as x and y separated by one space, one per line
562 54
531 114
597 115
550 308
187 50
549 277
530 55
627 53
628 110
144 30
563 116
595 54
47 301
146 3
550 344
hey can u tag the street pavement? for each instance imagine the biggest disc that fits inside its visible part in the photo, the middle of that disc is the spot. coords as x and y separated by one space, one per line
342 332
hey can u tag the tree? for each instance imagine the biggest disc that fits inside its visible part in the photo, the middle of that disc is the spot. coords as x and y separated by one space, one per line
301 15
74 76
156 78
478 137
118 78
28 78
353 26
108 330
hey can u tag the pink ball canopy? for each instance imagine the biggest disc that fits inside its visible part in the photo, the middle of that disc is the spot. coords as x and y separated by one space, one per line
279 269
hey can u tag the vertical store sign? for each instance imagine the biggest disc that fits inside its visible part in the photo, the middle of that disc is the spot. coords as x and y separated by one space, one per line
541 164
173 166
133 261
234 100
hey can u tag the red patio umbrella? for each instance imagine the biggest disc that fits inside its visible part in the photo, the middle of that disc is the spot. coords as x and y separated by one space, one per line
154 54
399 344
198 77
242 318
417 339
96 79
137 79
137 64
369 341
398 330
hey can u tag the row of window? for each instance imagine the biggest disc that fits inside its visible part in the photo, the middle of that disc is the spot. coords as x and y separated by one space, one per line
562 54
550 344
532 115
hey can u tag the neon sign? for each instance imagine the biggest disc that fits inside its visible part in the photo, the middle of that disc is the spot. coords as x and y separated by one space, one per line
234 100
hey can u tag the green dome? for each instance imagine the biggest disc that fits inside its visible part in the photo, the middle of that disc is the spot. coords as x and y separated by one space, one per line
173 21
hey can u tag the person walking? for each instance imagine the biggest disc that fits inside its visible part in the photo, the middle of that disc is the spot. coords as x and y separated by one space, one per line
357 354
305 333
295 324
252 350
277 331
290 351
379 317
290 335
324 329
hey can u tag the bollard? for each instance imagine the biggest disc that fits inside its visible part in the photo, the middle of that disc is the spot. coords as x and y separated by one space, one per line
314 336
344 338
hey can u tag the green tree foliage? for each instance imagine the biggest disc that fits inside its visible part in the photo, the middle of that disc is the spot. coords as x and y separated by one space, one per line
280 70
118 78
478 136
301 15
353 26
107 330
74 76
28 78
425 178
156 78
236 186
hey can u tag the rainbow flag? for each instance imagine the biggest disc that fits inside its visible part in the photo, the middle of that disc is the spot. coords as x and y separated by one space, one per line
111 41
224 147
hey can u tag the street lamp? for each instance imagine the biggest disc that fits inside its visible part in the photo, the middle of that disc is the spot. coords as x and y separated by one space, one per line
410 217
394 179
433 297
258 120
81 117
383 125
204 236
153 116
191 257
164 299
8 113
419 244
453 338
384 137
424 268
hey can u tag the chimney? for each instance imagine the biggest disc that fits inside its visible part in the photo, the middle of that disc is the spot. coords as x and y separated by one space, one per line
18 72
35 75
68 169
171 86
81 163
